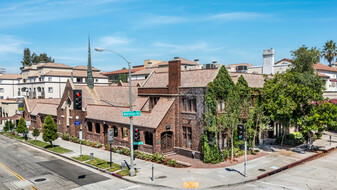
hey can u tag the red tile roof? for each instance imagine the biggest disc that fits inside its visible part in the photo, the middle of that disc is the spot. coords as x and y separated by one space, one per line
285 59
85 68
76 73
321 67
122 71
322 75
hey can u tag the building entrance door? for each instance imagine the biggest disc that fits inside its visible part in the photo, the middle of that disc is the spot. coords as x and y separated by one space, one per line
166 141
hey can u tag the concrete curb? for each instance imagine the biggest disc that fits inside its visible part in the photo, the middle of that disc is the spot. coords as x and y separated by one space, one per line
295 163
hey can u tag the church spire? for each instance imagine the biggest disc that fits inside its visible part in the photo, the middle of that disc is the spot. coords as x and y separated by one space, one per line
90 79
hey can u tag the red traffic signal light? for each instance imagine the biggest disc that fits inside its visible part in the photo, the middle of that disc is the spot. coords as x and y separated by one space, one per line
78 94
77 97
136 135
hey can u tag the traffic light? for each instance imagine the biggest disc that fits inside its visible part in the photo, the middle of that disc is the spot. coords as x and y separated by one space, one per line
77 94
137 135
240 132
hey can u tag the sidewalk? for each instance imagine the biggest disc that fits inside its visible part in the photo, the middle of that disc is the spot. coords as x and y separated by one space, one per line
207 177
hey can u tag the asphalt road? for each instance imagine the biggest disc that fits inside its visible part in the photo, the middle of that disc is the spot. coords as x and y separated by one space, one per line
24 167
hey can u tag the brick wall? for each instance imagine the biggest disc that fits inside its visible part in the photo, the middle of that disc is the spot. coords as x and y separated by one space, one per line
174 76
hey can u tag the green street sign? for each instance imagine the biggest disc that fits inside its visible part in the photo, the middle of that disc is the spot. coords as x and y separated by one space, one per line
131 113
138 143
21 107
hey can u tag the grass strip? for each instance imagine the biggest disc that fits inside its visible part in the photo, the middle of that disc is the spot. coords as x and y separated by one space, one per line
82 158
47 146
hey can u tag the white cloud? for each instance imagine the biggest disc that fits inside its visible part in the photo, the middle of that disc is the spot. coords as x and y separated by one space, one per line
114 40
11 44
235 16
157 19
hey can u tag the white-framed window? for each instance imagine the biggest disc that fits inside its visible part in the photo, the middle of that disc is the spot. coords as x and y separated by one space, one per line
2 90
49 79
50 89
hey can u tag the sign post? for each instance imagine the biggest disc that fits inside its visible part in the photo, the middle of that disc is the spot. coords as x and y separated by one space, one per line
80 137
110 140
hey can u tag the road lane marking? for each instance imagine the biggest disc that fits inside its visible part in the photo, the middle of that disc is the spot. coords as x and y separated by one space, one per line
191 185
16 175
130 187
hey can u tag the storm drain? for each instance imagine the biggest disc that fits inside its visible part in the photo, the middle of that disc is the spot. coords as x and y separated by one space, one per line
40 180
262 170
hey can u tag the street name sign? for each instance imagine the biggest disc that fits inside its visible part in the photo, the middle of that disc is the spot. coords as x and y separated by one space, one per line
77 122
21 107
138 143
131 113
110 136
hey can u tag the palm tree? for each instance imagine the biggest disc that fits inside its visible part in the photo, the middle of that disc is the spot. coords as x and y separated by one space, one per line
329 51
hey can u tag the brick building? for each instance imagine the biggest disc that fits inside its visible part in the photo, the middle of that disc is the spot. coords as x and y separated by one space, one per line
171 105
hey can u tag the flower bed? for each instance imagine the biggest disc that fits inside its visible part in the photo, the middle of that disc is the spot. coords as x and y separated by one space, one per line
156 157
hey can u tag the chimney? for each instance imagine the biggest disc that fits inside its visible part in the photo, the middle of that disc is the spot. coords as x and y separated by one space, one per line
174 72
268 61
196 61
149 64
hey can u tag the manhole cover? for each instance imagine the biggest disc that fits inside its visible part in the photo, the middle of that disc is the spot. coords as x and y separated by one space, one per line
40 180
262 170
161 177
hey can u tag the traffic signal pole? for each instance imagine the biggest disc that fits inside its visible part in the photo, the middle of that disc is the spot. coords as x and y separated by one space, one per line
132 169
245 164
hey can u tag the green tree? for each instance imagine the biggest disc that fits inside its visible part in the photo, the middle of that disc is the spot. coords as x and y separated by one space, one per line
329 51
21 128
9 126
41 58
26 58
304 59
36 132
49 130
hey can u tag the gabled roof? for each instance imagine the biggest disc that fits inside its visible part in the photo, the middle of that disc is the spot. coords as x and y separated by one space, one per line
253 80
322 75
321 67
146 119
44 106
149 70
284 59
190 78
58 65
76 73
122 71
85 68
10 76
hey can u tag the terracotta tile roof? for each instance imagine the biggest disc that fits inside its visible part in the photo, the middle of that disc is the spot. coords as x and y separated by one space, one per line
322 75
43 105
134 83
122 71
321 67
191 78
85 68
76 73
147 119
58 65
285 59
253 80
149 70
10 76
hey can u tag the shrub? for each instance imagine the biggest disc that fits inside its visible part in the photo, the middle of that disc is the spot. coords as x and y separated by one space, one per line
36 133
126 151
292 139
49 130
319 134
65 136
159 158
171 162
98 145
107 147
88 143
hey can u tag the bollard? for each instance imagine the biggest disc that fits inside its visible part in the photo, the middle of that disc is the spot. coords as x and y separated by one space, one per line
123 165
91 156
152 178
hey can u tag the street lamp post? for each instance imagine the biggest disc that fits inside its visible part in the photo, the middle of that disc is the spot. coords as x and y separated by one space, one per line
132 170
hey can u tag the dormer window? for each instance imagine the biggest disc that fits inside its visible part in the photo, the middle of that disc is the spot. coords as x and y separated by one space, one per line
153 101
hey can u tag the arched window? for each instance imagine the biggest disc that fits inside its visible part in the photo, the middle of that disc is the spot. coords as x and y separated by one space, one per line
148 138
98 128
115 131
89 126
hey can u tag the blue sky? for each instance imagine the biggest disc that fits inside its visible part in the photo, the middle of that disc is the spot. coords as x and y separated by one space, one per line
229 31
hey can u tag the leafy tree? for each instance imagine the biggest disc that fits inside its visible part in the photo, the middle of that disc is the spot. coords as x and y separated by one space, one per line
304 59
329 51
9 126
49 130
36 132
41 58
26 58
123 77
21 128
